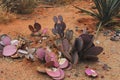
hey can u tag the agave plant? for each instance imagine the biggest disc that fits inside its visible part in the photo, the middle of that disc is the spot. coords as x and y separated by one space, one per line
106 12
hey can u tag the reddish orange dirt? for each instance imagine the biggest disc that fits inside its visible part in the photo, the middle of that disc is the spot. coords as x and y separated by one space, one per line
21 69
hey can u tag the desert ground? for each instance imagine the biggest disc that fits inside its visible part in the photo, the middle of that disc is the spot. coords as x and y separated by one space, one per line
22 69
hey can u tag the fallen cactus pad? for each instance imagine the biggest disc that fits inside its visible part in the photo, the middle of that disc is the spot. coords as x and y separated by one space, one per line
9 50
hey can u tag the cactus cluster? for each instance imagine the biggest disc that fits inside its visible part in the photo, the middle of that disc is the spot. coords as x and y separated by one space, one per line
82 48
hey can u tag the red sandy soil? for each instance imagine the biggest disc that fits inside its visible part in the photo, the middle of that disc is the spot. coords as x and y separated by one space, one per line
22 69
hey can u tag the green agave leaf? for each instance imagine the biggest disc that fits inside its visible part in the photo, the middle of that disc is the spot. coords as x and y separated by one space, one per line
86 11
105 10
112 22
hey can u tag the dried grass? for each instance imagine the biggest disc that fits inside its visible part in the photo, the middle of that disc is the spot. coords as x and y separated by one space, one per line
19 6
6 17
56 2
64 1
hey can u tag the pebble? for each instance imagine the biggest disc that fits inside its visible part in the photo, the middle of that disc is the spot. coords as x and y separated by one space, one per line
98 42
103 52
106 67
1 71
102 76
76 75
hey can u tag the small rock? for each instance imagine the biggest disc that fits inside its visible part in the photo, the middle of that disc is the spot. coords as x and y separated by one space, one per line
24 18
86 66
76 75
103 52
102 76
68 76
1 71
115 38
98 42
106 67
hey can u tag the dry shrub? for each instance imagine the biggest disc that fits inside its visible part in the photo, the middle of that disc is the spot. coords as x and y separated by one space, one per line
64 1
57 2
6 17
19 6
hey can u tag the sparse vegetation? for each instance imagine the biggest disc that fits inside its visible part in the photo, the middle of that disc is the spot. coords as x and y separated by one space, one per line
106 12
6 17
19 6
58 2
69 50
64 1
44 45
